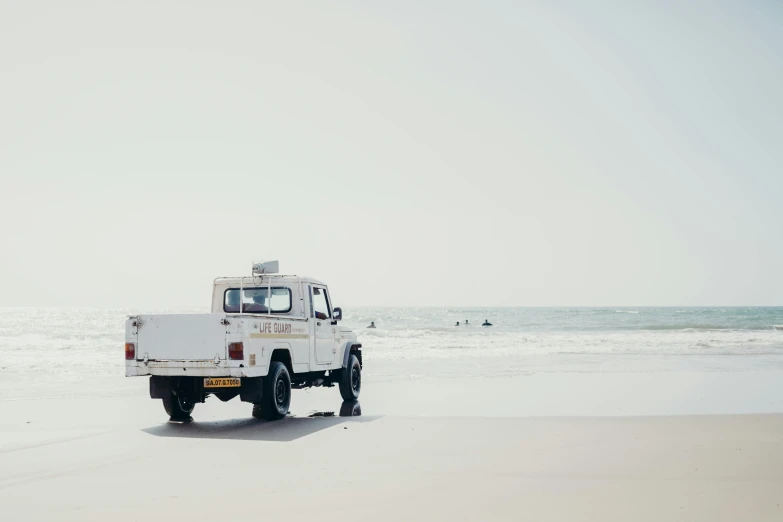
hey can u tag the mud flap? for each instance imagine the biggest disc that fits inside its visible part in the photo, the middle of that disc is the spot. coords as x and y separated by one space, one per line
251 390
160 387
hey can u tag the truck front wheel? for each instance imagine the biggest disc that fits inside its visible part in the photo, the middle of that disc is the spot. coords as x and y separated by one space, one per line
178 408
351 379
276 394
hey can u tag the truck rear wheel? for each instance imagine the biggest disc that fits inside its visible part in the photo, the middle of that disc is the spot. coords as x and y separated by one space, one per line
178 408
276 394
351 379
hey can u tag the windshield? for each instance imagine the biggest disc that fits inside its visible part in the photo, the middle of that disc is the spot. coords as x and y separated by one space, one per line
258 300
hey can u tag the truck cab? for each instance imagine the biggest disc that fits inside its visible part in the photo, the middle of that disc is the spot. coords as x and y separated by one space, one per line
266 334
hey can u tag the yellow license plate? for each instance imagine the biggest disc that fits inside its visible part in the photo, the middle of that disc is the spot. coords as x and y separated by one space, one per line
222 382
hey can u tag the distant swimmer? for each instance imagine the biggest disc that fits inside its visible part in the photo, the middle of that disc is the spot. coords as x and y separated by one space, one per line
457 324
466 322
372 324
486 323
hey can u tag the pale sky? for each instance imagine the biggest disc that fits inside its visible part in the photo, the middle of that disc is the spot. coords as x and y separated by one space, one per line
407 153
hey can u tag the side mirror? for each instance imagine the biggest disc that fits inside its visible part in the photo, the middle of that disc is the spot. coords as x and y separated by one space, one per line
337 314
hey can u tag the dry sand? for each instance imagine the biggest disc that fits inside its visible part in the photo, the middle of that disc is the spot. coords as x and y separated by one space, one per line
117 459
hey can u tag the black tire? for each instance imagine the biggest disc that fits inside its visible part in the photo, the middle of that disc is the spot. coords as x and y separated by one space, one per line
351 379
178 408
276 393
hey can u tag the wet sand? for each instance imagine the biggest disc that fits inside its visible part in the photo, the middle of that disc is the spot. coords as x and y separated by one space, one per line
117 458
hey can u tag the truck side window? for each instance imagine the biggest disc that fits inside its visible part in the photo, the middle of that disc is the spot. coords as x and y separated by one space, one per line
321 303
328 303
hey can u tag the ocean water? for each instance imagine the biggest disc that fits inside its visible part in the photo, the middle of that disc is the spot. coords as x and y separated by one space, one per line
575 319
525 331
78 350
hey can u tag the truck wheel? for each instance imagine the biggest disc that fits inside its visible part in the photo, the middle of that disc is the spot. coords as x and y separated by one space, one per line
276 394
351 379
178 408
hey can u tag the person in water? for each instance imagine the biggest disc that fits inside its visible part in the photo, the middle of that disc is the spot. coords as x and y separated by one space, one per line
486 323
372 324
466 322
457 324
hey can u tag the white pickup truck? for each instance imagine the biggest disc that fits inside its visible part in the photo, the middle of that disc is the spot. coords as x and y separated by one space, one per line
267 333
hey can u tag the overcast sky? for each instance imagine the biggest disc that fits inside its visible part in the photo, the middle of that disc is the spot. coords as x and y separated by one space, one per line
407 153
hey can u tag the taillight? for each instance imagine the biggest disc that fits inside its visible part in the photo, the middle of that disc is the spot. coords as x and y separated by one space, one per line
236 351
130 351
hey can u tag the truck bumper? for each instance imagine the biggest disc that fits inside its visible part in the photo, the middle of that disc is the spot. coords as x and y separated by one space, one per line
161 388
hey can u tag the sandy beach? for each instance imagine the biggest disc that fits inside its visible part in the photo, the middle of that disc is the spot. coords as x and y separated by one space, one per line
117 458
560 423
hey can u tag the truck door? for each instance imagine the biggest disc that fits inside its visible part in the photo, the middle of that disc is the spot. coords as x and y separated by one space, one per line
324 331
